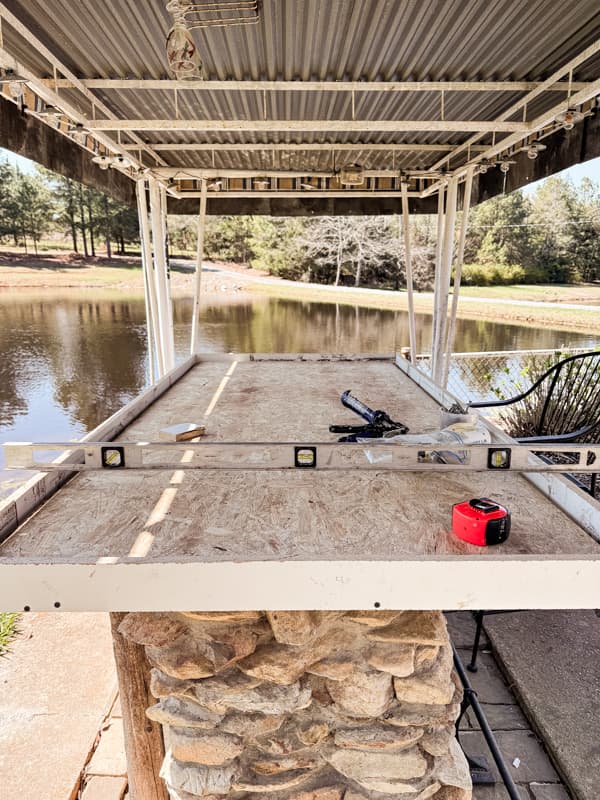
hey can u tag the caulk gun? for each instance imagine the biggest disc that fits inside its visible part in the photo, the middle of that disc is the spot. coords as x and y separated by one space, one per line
378 422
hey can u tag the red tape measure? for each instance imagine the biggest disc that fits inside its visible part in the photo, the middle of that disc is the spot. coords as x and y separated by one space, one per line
481 521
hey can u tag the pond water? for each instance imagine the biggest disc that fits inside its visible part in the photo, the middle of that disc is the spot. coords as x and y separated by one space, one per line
69 359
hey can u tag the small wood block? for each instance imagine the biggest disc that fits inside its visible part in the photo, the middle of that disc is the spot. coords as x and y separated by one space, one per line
104 788
181 432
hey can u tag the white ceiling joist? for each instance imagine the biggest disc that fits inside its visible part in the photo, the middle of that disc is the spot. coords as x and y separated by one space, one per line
149 84
297 125
299 147
351 193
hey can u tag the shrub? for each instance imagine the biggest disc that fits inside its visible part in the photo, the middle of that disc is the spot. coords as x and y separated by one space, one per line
492 274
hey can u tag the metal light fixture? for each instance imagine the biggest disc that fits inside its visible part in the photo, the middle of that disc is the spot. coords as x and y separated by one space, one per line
49 111
351 175
262 184
214 186
14 85
104 162
120 162
504 165
79 134
534 149
569 118
484 167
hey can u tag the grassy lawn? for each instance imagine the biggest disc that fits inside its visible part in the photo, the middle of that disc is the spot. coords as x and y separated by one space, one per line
8 629
586 293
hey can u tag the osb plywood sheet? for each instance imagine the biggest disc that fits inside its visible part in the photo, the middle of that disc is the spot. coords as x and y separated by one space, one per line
299 515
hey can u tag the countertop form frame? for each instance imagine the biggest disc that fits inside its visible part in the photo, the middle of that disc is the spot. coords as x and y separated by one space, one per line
221 540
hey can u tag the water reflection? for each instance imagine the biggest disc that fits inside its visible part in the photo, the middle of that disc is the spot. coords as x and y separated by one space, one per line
70 359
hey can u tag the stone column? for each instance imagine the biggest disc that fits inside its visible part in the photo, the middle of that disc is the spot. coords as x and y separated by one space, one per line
304 705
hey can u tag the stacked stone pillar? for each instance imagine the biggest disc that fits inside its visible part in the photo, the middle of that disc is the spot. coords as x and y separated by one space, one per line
304 705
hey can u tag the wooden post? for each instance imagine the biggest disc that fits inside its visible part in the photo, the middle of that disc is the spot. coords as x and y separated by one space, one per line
144 746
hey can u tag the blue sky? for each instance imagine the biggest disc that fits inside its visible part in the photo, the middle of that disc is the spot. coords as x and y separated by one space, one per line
590 169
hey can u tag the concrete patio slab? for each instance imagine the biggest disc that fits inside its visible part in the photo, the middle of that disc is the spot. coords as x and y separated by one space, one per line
552 659
56 684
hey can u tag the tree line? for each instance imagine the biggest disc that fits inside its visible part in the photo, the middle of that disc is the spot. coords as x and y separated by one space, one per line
39 204
549 236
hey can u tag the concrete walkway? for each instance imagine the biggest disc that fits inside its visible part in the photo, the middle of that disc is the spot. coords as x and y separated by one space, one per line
552 659
56 686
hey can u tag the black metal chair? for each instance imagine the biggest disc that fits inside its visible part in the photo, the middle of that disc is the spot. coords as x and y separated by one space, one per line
563 405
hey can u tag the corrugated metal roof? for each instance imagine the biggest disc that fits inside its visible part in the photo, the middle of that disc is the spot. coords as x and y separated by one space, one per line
371 40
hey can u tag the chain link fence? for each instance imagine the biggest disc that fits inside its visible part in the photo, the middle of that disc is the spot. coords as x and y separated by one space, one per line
476 377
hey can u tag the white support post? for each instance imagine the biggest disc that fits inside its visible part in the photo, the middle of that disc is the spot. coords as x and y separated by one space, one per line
155 356
165 311
409 276
437 275
446 273
458 272
198 276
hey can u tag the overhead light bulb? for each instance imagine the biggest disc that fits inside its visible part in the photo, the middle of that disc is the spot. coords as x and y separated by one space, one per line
534 149
569 118
15 89
182 54
351 175
104 162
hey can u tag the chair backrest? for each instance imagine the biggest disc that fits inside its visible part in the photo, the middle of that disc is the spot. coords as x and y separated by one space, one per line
566 398
563 400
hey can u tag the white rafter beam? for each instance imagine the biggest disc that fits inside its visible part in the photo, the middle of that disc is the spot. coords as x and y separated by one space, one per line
198 173
300 125
308 146
348 193
119 84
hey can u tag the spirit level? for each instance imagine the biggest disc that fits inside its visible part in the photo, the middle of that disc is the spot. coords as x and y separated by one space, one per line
377 455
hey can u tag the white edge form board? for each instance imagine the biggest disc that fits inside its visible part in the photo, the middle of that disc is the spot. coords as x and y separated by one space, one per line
19 505
451 583
563 493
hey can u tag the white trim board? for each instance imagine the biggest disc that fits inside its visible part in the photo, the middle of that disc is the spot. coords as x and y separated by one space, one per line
461 582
